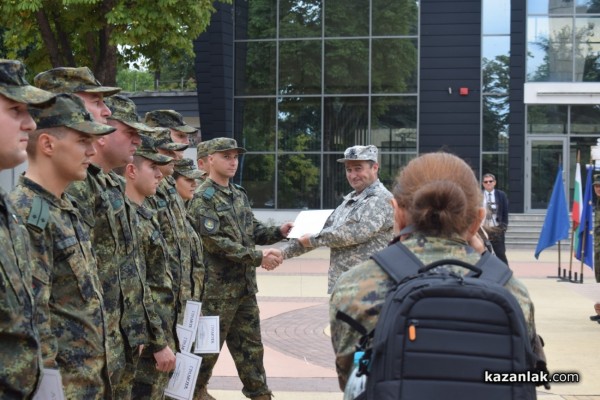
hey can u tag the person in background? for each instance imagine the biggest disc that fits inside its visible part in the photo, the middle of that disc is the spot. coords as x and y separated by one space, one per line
495 203
358 227
220 212
437 213
20 354
187 178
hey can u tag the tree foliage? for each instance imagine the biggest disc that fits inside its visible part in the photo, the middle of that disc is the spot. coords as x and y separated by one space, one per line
99 33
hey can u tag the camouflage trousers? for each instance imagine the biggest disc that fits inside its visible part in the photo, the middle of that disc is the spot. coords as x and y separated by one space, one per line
85 378
123 388
240 328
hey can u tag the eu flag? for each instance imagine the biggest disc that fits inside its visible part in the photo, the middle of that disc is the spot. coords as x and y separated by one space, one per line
586 227
556 223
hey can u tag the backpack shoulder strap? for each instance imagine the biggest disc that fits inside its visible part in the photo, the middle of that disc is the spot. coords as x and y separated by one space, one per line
493 269
397 261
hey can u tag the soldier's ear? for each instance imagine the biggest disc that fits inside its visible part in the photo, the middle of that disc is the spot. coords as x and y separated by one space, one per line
130 171
46 143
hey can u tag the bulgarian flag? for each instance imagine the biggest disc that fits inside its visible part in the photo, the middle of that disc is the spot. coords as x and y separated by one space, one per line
577 208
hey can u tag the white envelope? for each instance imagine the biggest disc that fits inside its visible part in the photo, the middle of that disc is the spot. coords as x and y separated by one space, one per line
186 338
191 315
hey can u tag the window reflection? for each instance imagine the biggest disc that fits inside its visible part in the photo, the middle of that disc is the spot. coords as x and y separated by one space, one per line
255 19
550 49
394 66
495 64
398 17
346 66
298 181
346 18
587 40
496 17
346 122
585 119
394 123
299 120
294 79
299 18
256 173
547 119
255 68
495 123
255 124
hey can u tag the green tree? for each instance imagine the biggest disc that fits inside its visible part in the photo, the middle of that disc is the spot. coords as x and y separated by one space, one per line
97 33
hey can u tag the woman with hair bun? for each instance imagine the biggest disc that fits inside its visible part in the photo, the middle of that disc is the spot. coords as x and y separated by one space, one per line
437 213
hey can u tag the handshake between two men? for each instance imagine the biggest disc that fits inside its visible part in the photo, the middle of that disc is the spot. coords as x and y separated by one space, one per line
273 257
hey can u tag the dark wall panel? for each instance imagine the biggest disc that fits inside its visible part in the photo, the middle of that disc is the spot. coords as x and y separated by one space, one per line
214 71
450 59
516 119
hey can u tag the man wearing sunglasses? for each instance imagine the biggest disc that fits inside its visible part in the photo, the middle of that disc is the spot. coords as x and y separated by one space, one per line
496 215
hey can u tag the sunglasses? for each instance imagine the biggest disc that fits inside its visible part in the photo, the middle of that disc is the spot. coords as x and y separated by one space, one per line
488 181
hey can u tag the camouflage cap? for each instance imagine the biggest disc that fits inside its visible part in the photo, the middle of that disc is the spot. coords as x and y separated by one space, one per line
596 180
147 149
72 80
168 119
360 153
162 140
67 110
123 109
187 168
13 85
223 144
202 149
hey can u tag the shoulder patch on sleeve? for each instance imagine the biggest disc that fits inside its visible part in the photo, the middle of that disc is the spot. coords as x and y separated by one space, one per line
209 225
40 212
208 193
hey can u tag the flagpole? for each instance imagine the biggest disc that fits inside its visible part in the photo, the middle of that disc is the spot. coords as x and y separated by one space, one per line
582 256
574 232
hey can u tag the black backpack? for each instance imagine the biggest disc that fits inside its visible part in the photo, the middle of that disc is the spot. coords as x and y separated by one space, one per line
438 332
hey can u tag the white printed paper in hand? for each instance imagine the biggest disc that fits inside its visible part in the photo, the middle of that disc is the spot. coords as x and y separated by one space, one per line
51 387
186 338
191 315
183 381
207 340
309 221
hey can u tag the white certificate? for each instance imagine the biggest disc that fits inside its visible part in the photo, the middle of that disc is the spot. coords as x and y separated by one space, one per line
186 338
191 315
207 340
309 221
183 381
51 387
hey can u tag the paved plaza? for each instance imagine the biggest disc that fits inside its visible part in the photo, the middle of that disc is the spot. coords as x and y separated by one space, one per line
299 357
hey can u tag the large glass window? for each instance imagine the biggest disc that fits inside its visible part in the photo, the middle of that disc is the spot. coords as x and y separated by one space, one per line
495 81
314 77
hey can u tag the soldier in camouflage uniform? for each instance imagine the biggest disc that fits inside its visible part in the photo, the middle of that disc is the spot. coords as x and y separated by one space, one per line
358 227
157 359
172 217
180 131
202 158
360 292
105 210
185 170
68 294
20 354
221 213
596 185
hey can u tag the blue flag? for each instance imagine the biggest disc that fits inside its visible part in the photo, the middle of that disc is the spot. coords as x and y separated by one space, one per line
586 227
556 224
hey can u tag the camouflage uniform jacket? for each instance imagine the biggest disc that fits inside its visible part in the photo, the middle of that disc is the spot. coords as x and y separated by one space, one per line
229 232
102 203
20 355
154 265
357 228
198 270
360 292
171 217
597 240
68 295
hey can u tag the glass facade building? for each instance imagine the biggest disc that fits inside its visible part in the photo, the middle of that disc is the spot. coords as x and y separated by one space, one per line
313 78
